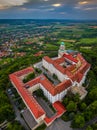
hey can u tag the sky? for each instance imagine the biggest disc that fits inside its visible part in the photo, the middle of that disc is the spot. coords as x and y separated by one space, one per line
48 9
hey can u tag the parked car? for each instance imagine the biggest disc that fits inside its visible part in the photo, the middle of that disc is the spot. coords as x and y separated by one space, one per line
9 91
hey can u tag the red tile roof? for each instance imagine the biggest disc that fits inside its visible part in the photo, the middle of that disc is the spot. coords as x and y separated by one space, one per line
74 73
59 67
24 71
60 109
48 59
54 89
70 57
71 67
59 60
32 104
34 107
47 84
62 86
38 53
77 77
56 63
32 82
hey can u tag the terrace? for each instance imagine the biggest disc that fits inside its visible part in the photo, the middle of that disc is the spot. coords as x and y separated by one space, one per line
80 90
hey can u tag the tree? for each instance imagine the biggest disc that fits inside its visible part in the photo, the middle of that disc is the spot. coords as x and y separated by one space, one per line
71 106
6 112
92 95
39 93
14 126
89 128
91 111
94 126
93 108
78 121
29 77
83 106
71 115
87 115
76 98
65 101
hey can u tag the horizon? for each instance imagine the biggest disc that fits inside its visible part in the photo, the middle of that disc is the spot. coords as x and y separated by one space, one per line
49 19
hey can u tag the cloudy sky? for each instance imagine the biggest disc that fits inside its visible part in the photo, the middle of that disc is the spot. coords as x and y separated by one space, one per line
48 9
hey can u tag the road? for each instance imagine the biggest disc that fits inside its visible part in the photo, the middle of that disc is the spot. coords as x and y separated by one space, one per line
17 112
59 124
94 120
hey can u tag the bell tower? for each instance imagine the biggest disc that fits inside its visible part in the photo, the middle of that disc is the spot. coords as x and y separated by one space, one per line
61 50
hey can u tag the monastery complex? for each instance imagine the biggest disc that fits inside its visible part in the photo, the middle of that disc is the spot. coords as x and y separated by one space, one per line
69 68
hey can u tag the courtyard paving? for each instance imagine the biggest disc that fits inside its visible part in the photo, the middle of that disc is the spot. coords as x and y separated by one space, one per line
59 124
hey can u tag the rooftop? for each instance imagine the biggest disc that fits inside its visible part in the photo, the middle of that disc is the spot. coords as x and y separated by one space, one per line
74 72
30 101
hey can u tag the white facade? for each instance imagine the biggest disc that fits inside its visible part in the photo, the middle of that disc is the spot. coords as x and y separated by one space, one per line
53 70
49 96
52 98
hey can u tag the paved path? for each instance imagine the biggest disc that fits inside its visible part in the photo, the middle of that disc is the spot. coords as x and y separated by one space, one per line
59 124
29 118
45 106
92 121
17 112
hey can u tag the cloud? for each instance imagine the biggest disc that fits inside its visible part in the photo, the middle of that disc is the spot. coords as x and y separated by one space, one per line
56 5
36 9
63 13
86 5
90 8
77 7
48 9
23 9
45 0
4 4
87 2
83 2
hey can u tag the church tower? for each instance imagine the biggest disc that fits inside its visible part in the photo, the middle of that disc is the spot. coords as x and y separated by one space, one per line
61 50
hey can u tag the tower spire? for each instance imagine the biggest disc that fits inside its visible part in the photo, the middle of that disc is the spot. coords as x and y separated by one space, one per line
61 50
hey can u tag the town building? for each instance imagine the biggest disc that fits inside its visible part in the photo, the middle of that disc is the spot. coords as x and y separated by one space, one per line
70 70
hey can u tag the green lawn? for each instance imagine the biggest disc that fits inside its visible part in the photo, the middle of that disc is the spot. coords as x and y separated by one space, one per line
88 41
51 47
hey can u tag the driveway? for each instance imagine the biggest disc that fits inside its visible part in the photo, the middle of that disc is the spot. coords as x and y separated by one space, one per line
29 118
59 124
45 106
18 114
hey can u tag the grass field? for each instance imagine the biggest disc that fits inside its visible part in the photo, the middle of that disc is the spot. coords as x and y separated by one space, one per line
88 41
